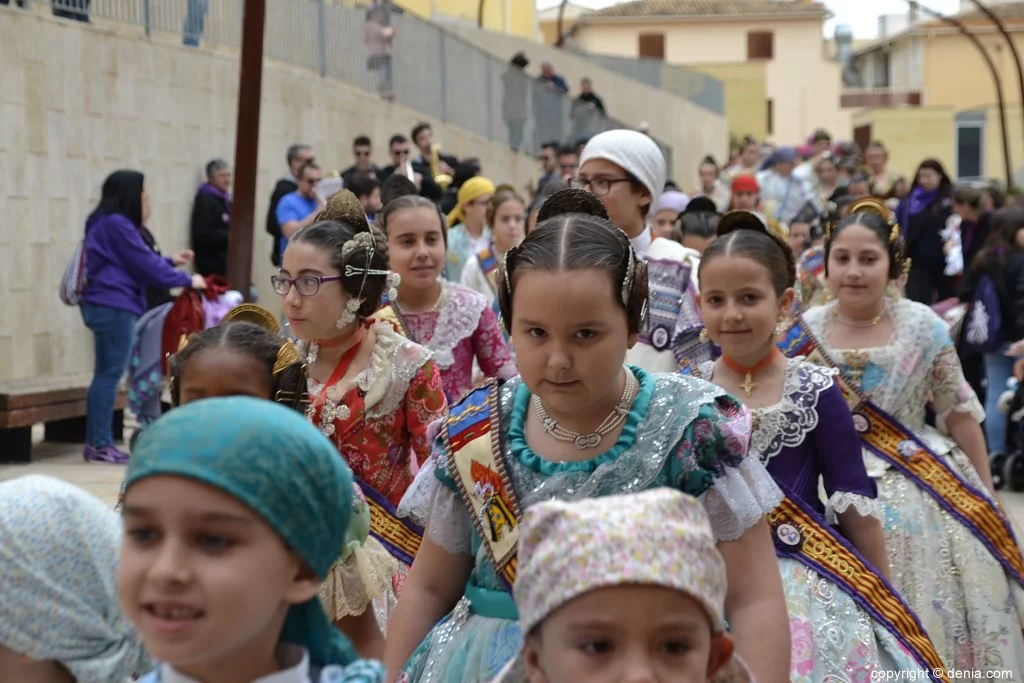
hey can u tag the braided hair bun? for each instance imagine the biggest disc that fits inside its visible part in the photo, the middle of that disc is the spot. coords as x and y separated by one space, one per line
747 234
344 207
571 200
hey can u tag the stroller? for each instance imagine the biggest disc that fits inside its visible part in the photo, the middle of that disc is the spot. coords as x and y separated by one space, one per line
158 334
1008 470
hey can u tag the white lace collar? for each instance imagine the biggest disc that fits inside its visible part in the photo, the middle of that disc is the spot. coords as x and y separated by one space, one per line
458 319
788 422
294 658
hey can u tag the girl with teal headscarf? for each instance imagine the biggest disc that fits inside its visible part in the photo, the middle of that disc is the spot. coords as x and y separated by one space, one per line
235 509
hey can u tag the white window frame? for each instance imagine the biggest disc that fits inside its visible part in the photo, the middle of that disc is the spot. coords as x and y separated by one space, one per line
964 120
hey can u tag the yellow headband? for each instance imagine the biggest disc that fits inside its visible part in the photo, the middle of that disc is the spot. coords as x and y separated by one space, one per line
471 190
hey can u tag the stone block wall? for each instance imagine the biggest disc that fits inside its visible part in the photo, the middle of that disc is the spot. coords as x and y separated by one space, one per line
80 101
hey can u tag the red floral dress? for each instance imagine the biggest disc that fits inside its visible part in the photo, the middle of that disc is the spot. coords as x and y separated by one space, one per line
378 419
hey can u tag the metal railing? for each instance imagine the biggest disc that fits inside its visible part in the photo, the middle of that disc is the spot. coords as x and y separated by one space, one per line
701 89
428 69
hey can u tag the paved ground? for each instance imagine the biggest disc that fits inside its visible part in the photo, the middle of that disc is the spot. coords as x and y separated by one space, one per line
65 462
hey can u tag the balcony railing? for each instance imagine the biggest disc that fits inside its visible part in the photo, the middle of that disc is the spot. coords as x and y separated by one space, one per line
854 98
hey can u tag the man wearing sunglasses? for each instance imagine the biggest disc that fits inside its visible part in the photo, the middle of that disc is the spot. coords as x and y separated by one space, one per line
362 151
300 208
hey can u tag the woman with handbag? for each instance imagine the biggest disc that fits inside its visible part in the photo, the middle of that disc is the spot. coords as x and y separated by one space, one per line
119 266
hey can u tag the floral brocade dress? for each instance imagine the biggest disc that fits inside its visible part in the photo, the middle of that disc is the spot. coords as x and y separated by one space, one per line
806 437
966 602
462 331
680 432
378 421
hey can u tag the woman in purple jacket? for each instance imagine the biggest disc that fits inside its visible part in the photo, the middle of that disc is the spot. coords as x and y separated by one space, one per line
119 267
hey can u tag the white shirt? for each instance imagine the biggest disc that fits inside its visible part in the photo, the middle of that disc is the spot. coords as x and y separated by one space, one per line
293 658
473 276
642 242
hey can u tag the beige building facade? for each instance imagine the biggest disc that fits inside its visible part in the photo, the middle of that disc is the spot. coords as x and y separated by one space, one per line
939 96
802 81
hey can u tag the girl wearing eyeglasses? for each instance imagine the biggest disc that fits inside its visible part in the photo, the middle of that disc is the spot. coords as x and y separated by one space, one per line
372 392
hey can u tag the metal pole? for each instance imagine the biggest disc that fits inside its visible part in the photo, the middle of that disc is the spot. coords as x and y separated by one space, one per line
444 77
1008 166
321 15
247 134
1013 51
147 16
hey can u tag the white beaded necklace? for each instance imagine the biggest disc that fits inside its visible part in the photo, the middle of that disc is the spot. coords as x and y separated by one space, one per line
585 442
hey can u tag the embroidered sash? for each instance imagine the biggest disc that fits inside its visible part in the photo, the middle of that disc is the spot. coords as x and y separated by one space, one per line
884 436
489 265
400 537
473 450
801 535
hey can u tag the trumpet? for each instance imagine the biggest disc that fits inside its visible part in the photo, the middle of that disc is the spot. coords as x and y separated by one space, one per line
442 179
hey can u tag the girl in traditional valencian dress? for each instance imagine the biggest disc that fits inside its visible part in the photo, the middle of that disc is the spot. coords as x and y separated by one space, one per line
372 391
951 550
843 626
578 424
453 322
506 214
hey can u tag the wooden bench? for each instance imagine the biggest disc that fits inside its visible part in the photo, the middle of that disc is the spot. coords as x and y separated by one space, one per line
57 402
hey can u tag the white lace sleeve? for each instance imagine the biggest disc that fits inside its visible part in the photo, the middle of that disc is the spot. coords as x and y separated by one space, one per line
738 499
841 501
438 509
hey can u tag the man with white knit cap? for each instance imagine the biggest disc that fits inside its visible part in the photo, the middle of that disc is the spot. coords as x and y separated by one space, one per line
626 169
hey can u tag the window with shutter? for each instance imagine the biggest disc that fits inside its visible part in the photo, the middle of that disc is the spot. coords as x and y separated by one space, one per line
652 45
760 45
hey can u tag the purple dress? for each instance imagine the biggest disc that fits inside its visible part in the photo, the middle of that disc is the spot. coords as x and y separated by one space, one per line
809 434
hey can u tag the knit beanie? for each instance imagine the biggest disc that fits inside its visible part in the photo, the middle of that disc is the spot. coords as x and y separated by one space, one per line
635 153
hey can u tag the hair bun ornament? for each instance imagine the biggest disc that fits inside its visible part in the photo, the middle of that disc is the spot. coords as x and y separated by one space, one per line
255 314
571 200
879 208
743 220
342 206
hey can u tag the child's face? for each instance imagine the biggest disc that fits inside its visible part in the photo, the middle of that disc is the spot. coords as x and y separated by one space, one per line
627 633
744 201
416 247
624 202
312 317
739 306
858 267
570 336
799 237
219 371
509 227
664 221
204 579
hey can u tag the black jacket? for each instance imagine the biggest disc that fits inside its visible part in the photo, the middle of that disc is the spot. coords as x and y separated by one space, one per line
284 186
210 223
927 284
1008 279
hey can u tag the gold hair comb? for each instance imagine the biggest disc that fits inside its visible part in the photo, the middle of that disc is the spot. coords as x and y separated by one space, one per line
287 356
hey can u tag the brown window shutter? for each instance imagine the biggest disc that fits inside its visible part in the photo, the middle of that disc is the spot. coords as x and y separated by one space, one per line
652 45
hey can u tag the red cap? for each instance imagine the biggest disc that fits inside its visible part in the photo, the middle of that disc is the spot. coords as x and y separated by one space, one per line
745 183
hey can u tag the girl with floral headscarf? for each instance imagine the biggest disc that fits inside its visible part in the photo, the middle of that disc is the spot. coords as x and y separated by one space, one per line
59 617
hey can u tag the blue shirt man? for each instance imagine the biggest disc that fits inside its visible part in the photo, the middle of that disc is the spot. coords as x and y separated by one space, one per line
300 208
